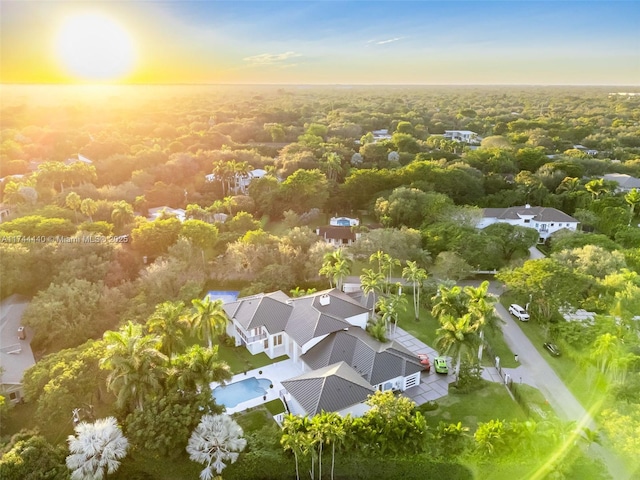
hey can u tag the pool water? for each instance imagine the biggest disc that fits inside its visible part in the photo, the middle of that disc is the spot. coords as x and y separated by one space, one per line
238 392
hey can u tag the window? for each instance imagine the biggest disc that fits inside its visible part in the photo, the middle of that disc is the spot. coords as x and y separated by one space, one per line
277 340
527 220
552 224
13 396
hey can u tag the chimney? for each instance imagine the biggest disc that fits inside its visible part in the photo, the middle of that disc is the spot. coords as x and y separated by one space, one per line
325 300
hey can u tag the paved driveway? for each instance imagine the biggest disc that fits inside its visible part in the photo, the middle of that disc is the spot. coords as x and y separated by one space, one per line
432 385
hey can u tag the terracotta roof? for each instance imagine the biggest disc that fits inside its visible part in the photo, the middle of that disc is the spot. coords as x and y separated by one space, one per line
336 233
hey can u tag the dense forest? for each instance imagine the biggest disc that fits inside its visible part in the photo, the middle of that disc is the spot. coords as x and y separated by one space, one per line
95 162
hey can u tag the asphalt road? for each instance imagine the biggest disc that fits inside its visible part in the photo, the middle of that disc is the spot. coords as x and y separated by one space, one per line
537 368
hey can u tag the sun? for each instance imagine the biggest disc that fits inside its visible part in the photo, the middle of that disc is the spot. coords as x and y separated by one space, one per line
92 46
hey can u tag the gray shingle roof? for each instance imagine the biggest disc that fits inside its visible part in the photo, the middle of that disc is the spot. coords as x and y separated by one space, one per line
540 214
624 181
271 311
311 319
332 388
375 361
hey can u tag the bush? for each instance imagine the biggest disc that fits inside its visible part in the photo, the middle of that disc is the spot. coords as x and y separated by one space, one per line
470 378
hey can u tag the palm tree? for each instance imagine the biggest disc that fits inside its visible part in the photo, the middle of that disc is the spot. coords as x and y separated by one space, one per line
371 283
96 450
455 337
334 432
336 267
448 302
136 364
606 348
170 323
416 275
89 207
633 199
596 187
121 214
197 368
332 165
482 311
398 302
569 185
295 441
208 318
388 262
73 202
217 438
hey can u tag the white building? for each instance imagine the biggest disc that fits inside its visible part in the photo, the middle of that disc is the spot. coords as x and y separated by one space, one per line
466 136
543 219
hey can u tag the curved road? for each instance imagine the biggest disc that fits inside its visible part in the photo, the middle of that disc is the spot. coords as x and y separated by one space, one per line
537 369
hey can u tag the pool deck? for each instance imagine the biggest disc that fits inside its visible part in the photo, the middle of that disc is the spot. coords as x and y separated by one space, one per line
276 372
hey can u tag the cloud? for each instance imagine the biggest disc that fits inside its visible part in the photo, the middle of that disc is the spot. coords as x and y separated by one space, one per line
384 42
271 58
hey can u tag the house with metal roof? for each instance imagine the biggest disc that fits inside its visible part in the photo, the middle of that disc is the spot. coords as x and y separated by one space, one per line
334 388
545 220
278 325
386 366
324 333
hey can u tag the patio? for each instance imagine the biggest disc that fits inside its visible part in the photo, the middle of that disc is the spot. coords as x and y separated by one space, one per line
276 372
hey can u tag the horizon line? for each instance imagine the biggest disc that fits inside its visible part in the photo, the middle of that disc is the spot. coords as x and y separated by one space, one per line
337 84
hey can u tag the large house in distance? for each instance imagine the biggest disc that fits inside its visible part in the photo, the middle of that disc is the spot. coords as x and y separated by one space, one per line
543 219
339 232
466 136
324 334
626 183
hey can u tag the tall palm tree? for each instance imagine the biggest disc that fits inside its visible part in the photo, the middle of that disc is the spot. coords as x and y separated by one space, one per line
89 207
569 185
208 318
480 305
169 322
216 439
456 336
73 201
336 266
416 275
332 165
377 257
96 450
294 440
121 214
388 262
334 433
371 282
137 366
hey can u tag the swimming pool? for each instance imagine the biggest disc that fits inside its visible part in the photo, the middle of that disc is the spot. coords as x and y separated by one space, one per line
238 392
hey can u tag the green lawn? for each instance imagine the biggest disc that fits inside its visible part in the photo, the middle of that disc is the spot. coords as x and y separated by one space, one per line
490 402
253 420
241 360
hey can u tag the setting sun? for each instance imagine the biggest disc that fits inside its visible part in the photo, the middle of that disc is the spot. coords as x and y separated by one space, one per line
92 46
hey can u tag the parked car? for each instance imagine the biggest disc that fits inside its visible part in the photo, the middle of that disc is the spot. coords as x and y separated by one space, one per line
553 349
424 360
518 312
440 364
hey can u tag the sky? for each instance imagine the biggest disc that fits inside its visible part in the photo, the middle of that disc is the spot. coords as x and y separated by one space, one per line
325 42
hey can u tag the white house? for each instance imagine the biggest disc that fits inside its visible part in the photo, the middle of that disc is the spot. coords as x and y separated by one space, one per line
466 136
157 212
543 219
344 222
323 333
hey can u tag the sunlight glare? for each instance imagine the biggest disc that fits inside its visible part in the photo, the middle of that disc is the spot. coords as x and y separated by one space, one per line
92 46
